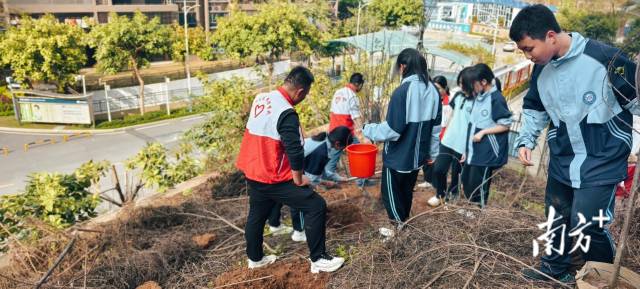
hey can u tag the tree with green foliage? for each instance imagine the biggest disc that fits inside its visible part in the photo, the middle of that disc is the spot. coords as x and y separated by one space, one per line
595 25
349 26
129 43
280 29
229 103
313 111
198 44
235 35
276 29
43 50
395 13
346 8
59 200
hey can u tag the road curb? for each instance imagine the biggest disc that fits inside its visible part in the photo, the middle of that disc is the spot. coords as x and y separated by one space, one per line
94 131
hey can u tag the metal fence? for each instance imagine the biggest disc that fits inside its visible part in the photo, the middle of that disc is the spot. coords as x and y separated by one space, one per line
128 102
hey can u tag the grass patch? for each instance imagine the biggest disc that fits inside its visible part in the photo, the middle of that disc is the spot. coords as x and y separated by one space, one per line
477 52
129 120
10 121
136 119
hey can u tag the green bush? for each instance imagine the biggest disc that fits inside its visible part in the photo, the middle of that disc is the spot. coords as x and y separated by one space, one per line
6 103
58 200
228 102
314 110
135 119
157 170
477 52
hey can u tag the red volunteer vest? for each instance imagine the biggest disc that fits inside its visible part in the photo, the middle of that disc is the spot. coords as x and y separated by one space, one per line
262 157
340 114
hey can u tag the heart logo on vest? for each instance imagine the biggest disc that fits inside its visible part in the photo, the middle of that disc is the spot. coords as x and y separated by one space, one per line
258 109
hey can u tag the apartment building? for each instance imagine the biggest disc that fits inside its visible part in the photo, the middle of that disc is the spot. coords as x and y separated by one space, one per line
72 11
204 14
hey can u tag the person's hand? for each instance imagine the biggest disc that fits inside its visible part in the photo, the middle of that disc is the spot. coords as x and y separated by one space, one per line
524 154
305 181
299 179
478 136
365 140
463 158
329 184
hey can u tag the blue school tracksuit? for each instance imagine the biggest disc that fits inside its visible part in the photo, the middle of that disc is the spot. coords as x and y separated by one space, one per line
411 137
586 99
316 157
482 158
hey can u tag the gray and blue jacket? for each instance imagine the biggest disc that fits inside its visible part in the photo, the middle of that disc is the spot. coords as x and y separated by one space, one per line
488 110
586 98
316 155
412 127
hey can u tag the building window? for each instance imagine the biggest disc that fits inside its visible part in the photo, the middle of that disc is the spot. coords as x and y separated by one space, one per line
487 13
446 13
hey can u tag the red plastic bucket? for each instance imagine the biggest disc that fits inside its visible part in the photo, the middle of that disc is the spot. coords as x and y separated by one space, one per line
362 159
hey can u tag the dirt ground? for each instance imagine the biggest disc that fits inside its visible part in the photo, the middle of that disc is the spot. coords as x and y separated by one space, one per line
195 241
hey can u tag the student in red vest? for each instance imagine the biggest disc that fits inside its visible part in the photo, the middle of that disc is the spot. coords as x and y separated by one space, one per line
345 111
271 157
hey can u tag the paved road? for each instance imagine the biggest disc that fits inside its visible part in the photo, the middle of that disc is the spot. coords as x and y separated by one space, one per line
65 157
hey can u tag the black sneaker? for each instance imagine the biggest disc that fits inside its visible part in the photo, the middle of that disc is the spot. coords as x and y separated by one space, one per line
535 275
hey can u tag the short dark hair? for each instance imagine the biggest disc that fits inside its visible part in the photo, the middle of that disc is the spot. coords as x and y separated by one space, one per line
533 21
300 77
442 81
340 135
356 78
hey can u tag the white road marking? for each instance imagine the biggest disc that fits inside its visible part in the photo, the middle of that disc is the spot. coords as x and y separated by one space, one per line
152 126
6 186
193 118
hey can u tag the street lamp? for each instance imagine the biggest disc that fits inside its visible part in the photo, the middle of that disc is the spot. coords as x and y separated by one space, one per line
186 54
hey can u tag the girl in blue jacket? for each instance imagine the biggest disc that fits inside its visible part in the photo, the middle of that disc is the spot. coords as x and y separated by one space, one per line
410 135
487 134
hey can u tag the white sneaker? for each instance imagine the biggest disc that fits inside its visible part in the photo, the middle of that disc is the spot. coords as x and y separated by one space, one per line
280 230
299 236
326 263
266 260
387 233
434 201
424 185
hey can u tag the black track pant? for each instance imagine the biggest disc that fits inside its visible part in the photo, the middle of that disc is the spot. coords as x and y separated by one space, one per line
591 202
447 158
397 193
476 181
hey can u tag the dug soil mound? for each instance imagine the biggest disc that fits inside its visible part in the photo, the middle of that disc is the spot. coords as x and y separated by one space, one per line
280 275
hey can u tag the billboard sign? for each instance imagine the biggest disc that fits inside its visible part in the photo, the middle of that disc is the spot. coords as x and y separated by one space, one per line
54 110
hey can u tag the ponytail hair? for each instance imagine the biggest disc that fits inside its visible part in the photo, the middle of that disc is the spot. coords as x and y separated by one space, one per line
414 63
